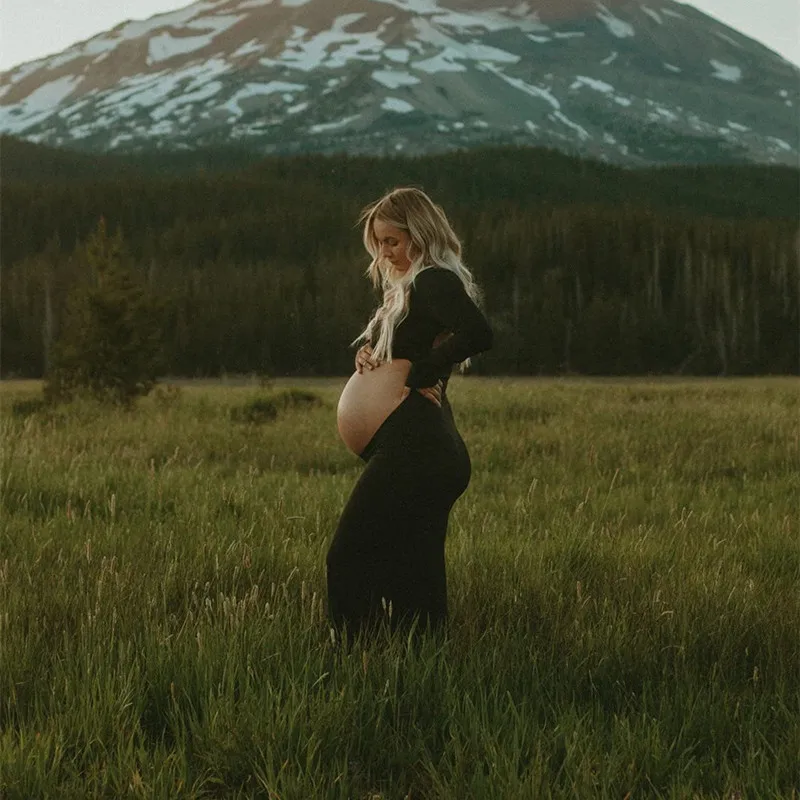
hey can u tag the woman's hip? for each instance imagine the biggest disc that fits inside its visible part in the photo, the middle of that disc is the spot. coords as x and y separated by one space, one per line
420 449
416 425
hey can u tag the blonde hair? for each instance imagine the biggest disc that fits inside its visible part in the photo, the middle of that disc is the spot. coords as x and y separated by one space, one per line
433 243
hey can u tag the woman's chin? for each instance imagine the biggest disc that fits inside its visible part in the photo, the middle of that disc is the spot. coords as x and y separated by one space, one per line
395 269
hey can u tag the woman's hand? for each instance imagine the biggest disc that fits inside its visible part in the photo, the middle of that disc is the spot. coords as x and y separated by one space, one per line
433 393
364 359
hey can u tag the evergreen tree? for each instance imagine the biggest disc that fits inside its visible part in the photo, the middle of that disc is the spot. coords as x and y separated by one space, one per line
110 339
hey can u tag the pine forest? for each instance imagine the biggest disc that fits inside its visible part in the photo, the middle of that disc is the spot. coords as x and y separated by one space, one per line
585 268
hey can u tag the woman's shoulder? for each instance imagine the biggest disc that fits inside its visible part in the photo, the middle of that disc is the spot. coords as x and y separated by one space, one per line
435 277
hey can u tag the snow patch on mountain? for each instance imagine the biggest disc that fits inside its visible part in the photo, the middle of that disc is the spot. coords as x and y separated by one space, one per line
37 105
65 58
484 52
174 103
653 14
127 89
119 139
400 55
592 83
729 39
467 23
324 127
251 47
490 20
663 113
100 45
149 91
446 61
71 111
166 46
394 79
454 51
22 72
260 90
617 27
396 105
219 23
781 143
560 116
726 72
313 53
172 19
202 72
518 83
414 6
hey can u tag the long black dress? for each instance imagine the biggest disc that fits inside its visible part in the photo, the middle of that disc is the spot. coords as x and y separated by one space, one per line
386 561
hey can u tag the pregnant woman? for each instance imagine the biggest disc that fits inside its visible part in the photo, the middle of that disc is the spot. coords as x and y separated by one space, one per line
386 561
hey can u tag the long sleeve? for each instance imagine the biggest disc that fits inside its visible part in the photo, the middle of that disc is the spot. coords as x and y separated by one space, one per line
440 294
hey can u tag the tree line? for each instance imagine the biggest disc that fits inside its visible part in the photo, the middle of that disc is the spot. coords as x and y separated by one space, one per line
585 267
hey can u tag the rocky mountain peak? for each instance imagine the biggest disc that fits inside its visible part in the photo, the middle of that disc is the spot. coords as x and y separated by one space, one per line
631 81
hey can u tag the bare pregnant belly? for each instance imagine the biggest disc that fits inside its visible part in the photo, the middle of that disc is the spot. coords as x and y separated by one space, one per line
368 399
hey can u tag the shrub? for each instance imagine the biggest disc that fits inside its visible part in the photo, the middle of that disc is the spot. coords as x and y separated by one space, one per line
266 408
26 408
262 409
168 396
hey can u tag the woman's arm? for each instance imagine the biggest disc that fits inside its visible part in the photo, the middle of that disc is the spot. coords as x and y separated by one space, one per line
440 293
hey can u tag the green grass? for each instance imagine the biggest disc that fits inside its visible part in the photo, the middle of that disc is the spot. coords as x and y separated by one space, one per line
624 580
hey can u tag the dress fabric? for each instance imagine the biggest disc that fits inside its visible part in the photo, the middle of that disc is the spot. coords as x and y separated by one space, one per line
386 563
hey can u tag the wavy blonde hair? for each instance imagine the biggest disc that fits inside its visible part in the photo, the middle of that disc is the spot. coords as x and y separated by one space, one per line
433 243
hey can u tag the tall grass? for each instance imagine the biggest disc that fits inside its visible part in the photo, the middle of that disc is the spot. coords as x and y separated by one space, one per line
624 581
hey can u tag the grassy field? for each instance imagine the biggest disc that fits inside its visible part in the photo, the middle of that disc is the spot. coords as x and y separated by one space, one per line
624 581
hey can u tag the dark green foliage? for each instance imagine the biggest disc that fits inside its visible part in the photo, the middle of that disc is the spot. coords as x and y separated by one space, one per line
266 408
262 409
298 398
24 161
26 408
486 176
586 267
110 341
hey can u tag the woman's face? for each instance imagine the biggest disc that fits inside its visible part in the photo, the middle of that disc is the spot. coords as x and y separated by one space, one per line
393 244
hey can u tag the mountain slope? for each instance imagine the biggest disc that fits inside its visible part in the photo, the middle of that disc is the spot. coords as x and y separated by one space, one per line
624 80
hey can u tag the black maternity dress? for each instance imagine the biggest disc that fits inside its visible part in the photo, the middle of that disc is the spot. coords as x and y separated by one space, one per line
386 561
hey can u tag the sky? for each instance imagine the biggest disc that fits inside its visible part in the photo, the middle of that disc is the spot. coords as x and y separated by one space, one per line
30 29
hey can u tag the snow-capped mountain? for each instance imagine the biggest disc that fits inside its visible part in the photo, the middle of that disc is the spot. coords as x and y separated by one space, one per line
631 81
